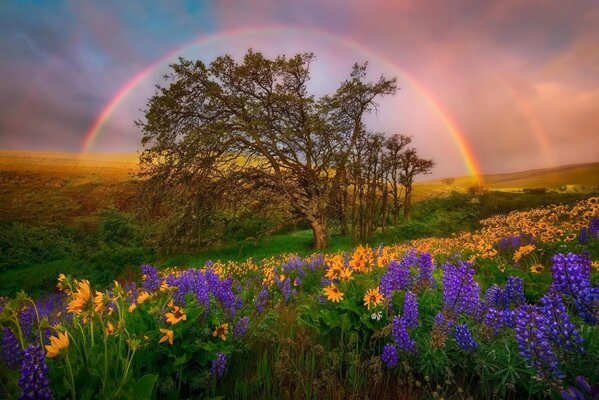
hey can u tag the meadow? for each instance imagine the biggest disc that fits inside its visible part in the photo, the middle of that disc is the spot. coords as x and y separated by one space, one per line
488 295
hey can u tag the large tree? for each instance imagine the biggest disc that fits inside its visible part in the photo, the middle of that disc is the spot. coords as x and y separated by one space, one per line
255 125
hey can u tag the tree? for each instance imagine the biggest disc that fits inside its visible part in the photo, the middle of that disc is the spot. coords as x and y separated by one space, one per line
393 159
229 125
411 166
448 181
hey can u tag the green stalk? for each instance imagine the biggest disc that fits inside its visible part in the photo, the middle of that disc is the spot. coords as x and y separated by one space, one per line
37 315
71 376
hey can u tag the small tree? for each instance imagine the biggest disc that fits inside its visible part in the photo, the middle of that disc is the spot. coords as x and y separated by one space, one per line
412 166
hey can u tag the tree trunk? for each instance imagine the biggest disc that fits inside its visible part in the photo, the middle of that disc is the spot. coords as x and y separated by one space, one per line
407 207
319 230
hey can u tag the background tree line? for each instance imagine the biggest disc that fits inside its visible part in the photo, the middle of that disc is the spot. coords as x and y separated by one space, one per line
227 143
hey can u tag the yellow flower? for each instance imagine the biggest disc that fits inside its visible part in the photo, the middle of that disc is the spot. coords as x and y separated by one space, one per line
221 331
61 278
57 343
168 335
536 269
176 316
81 297
346 273
333 293
373 297
99 302
132 307
109 328
142 297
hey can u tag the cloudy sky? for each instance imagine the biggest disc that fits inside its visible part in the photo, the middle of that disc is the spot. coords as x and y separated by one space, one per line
509 85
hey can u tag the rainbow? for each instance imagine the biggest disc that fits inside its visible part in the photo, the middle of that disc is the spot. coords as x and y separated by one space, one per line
458 137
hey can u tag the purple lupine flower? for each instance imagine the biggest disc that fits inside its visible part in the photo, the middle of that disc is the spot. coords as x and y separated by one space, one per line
241 326
219 365
285 287
34 382
507 318
208 263
572 277
533 341
594 228
262 300
26 316
514 291
573 393
493 321
389 355
442 323
297 282
410 310
583 237
425 271
202 291
401 336
12 354
322 299
464 337
494 297
397 277
150 279
560 329
461 293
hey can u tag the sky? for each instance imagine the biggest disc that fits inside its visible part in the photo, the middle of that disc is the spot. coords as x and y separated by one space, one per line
487 86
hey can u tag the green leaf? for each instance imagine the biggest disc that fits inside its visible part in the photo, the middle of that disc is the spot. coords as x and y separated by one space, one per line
145 386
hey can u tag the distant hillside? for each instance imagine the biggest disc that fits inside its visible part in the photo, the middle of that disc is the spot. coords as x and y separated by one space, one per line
42 187
586 175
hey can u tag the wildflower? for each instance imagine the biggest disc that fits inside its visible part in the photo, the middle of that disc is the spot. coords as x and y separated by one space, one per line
410 310
81 297
132 307
346 274
109 328
11 350
177 315
536 268
533 341
221 331
464 338
57 343
34 382
560 329
333 293
99 303
262 300
142 297
377 316
150 279
514 291
219 365
401 336
397 277
389 355
241 326
425 274
583 237
373 298
61 278
168 335
460 290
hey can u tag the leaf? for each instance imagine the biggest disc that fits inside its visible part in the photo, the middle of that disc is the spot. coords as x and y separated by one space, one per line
145 386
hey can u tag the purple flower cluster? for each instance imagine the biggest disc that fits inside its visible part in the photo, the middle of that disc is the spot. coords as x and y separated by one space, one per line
425 271
442 323
594 228
262 300
572 277
191 281
588 391
397 277
315 262
410 310
461 293
534 341
223 292
219 365
34 382
560 329
464 337
514 292
583 236
400 334
11 349
513 242
389 355
241 326
26 317
151 281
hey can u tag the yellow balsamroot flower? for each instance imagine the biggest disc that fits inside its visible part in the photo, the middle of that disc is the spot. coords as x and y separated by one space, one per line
99 303
333 293
522 251
373 298
132 307
57 343
177 315
142 297
595 265
81 297
536 268
168 335
221 331
109 328
61 278
346 274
